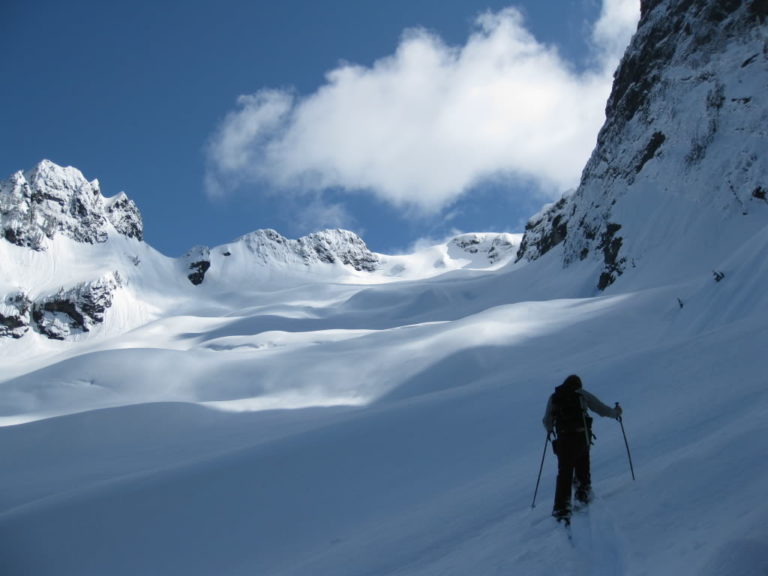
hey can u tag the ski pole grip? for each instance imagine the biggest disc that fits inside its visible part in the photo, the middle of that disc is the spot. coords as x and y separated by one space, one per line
619 416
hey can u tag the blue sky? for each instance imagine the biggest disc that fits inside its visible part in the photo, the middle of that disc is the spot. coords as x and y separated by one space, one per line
400 120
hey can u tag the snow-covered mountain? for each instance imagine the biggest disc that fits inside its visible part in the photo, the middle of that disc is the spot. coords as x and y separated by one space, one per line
70 254
48 200
308 408
682 153
41 211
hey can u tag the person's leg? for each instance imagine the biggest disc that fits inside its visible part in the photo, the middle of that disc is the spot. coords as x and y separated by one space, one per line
582 472
565 470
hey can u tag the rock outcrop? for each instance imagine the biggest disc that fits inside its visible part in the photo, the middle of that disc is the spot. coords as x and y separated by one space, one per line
683 125
49 199
76 310
326 247
493 247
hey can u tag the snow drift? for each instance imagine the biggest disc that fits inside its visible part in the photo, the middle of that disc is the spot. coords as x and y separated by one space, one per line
307 416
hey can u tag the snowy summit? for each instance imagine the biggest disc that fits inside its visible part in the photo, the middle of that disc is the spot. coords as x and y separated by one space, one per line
50 199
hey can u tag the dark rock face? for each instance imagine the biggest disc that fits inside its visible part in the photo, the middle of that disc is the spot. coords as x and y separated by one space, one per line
75 310
325 247
198 270
49 200
15 315
331 246
657 139
610 244
68 312
124 215
495 247
544 231
685 87
198 261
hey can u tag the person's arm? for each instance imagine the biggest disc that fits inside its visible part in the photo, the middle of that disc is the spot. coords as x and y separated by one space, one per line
548 420
594 404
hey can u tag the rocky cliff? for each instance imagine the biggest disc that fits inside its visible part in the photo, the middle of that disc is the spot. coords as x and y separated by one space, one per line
270 250
685 134
49 199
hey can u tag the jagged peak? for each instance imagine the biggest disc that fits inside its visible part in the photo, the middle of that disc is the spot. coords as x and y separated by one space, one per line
48 173
116 199
325 246
50 199
269 249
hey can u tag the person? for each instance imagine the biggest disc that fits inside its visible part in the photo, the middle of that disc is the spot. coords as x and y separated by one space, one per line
566 415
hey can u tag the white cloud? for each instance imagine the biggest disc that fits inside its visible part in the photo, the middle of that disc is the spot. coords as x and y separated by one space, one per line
615 27
316 213
235 152
426 124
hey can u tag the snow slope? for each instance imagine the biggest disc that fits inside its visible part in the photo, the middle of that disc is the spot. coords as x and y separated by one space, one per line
397 431
329 420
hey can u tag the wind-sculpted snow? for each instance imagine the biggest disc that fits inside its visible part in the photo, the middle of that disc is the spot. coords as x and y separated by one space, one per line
386 426
295 414
429 472
391 428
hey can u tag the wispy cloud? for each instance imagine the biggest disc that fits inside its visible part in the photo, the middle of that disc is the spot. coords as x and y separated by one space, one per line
236 151
315 213
426 124
613 29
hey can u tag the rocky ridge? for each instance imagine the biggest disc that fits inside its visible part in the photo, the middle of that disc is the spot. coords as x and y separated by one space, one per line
493 247
57 316
269 249
325 247
49 199
682 124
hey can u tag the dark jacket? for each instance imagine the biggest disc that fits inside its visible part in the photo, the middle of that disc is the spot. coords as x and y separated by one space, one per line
588 401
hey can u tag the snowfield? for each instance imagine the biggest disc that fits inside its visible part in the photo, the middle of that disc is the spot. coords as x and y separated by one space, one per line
392 428
309 408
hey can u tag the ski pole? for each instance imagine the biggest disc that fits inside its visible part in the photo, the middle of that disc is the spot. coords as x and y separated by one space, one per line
631 468
538 480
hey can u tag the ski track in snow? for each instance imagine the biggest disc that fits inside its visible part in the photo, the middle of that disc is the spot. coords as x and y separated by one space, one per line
596 541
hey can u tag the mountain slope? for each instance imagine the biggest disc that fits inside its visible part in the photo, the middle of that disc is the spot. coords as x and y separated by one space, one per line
429 469
332 421
684 136
74 260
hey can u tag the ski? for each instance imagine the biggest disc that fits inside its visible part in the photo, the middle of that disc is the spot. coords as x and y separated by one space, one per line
565 522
